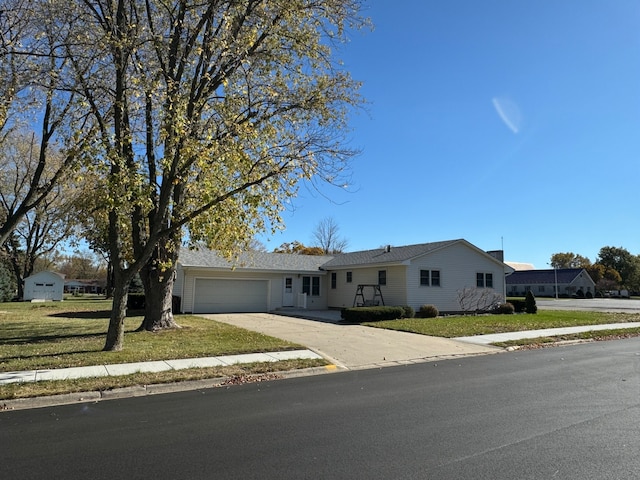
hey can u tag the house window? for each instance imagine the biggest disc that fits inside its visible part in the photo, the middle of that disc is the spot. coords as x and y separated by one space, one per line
349 277
382 277
484 280
430 278
334 280
540 288
311 286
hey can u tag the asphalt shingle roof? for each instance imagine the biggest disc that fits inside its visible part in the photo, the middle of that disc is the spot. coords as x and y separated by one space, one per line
381 255
284 262
311 263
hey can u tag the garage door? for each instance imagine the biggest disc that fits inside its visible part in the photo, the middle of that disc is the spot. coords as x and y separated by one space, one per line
219 296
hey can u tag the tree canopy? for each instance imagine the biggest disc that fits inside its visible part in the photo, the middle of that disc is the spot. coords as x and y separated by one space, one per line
614 268
298 248
42 123
204 115
569 260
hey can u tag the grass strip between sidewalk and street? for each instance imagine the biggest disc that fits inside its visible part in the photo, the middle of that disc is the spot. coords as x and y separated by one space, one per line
452 326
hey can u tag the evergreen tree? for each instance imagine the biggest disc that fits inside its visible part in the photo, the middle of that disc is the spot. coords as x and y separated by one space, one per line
530 303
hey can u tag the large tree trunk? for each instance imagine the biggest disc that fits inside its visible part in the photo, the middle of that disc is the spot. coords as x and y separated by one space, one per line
158 288
115 333
108 289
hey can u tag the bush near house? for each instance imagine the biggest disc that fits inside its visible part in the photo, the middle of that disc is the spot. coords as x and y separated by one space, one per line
409 312
518 304
428 311
371 314
505 309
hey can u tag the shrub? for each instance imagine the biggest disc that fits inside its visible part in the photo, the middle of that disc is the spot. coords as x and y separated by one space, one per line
371 314
135 301
409 312
505 309
530 303
518 305
589 295
428 311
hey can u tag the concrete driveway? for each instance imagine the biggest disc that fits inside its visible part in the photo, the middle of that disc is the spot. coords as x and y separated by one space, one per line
353 346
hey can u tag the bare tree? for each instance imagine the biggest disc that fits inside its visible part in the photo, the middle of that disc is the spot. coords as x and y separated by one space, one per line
327 236
44 227
38 107
477 300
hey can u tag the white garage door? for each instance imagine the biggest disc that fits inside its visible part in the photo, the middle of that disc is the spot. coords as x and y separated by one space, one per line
219 296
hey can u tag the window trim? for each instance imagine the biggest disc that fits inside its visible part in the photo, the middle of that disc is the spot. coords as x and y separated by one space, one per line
382 277
484 279
429 278
311 285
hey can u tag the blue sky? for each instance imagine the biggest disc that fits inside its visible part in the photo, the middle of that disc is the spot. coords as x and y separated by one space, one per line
507 123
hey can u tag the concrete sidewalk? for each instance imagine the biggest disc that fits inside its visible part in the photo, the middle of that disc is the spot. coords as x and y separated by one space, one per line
156 366
547 332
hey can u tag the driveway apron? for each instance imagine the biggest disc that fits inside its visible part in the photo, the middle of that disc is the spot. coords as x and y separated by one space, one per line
354 346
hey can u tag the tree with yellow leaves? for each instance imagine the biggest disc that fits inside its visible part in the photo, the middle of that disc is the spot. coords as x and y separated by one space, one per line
210 114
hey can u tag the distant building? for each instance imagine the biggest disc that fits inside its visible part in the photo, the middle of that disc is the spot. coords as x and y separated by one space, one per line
520 266
570 282
80 286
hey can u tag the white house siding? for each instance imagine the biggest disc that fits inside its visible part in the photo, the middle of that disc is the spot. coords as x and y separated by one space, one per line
458 265
342 296
44 286
186 281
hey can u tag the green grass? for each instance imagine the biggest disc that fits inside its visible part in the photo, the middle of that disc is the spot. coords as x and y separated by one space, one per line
584 336
462 326
72 333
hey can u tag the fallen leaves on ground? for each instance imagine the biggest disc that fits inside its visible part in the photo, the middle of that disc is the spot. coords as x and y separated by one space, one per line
242 378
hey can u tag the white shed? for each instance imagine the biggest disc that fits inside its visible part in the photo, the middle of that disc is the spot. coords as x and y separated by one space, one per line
44 286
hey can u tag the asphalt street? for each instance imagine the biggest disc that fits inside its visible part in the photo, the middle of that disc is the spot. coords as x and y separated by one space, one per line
619 305
564 413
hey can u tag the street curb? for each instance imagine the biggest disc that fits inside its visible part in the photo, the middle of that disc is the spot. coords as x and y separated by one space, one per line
155 389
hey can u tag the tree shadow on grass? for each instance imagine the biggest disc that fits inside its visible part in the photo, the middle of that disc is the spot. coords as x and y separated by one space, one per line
92 315
25 340
49 355
97 314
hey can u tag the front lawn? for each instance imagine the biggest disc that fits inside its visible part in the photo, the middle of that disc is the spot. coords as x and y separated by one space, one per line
72 333
467 325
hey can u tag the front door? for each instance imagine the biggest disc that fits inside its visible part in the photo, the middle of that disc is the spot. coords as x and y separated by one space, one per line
287 292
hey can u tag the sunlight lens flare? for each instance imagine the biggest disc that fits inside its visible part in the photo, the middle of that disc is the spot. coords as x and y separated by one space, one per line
508 112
